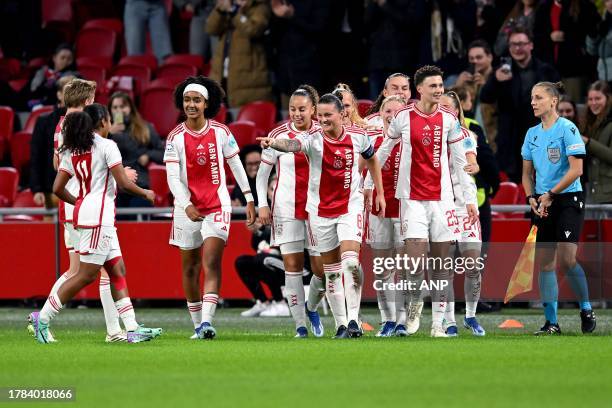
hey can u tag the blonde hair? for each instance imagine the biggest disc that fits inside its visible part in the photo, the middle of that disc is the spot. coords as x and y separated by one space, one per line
392 98
457 104
354 118
77 92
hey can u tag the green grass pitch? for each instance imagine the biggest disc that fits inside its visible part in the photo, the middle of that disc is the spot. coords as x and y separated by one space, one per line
256 362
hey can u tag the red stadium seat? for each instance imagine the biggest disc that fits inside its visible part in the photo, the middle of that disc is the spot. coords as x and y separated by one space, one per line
20 151
157 106
176 70
147 60
102 62
159 184
221 116
96 42
229 177
507 193
363 105
169 82
262 113
9 68
24 199
94 73
188 59
244 132
113 24
9 178
34 115
37 62
503 176
7 119
522 197
18 84
140 73
56 10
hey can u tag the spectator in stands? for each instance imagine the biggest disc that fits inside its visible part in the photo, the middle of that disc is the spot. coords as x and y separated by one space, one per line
567 109
480 68
254 272
240 62
522 15
560 31
140 16
42 89
597 136
297 30
199 40
510 87
599 44
250 155
138 143
394 28
42 173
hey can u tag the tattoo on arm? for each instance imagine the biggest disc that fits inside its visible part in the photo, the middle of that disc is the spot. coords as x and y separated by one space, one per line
286 145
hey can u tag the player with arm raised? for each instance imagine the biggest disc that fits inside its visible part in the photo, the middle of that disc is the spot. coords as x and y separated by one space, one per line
195 154
384 233
288 216
335 204
431 136
92 160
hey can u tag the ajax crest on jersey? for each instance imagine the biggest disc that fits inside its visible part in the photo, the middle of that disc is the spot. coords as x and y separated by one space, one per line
426 141
201 160
554 154
338 162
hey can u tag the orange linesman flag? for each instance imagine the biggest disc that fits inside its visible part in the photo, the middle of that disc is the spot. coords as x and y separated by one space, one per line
522 276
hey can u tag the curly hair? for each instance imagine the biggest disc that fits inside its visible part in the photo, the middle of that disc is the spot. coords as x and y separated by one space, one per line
215 94
78 133
426 71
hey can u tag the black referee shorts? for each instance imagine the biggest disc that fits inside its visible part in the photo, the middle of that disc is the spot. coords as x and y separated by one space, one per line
564 221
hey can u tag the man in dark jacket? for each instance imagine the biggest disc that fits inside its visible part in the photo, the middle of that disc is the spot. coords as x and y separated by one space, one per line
42 173
510 87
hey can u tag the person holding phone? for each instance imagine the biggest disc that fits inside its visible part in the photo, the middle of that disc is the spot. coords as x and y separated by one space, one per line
138 143
510 89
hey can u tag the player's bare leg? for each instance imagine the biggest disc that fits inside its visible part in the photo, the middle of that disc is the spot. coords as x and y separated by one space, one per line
191 260
213 254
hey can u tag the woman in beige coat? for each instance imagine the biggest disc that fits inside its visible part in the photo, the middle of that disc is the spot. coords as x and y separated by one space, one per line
240 62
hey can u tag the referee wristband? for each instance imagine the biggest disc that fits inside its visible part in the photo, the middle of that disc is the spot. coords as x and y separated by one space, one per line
249 198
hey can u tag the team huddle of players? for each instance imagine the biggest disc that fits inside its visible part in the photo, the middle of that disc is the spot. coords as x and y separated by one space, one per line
402 177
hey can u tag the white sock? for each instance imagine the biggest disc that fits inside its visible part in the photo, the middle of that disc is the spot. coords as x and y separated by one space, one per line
209 305
471 288
58 283
195 311
316 293
294 292
401 297
449 314
335 292
50 309
386 297
111 316
353 280
439 298
127 314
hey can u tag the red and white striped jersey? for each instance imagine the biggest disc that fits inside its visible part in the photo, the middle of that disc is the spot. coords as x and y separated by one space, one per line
390 175
95 204
457 188
65 209
333 188
292 173
201 156
428 141
374 120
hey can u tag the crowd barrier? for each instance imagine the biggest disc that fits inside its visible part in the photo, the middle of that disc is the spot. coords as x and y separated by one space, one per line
32 255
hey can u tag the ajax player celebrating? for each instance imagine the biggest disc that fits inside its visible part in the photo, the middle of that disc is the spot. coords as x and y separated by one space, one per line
430 136
289 219
195 154
469 240
395 84
384 233
92 159
335 204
